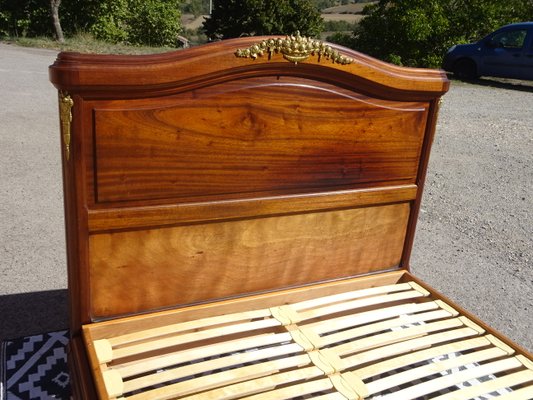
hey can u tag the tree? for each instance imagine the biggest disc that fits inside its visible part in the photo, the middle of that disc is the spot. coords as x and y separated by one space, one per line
235 18
54 9
418 32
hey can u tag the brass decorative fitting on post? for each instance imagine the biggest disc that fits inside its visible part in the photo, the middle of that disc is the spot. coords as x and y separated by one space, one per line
295 48
65 116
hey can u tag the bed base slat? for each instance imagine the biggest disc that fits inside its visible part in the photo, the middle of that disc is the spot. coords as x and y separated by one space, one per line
331 348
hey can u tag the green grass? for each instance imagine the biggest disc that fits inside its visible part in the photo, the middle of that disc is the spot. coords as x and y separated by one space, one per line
84 43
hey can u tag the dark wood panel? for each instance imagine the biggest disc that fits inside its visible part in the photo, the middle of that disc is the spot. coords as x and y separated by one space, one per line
142 270
258 139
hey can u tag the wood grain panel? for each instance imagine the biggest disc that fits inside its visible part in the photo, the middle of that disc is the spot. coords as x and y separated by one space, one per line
142 270
237 139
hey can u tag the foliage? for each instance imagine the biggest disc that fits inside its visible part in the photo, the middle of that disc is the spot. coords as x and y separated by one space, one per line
322 4
150 22
235 18
337 26
25 17
195 7
418 32
342 38
147 22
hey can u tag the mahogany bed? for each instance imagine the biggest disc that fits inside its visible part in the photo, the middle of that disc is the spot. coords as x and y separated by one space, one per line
240 218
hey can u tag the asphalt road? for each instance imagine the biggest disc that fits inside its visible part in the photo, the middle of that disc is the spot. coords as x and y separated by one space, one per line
474 240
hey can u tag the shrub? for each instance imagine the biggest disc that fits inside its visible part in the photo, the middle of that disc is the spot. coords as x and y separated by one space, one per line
234 18
139 22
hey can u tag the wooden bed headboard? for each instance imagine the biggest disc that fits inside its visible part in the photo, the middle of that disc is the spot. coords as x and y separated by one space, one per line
204 174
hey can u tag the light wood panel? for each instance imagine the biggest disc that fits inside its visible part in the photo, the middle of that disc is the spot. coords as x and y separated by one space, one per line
142 270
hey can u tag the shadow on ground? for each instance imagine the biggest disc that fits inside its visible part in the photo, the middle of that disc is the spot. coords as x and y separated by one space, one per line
509 84
26 314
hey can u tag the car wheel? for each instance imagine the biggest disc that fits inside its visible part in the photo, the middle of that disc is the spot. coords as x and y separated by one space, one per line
465 69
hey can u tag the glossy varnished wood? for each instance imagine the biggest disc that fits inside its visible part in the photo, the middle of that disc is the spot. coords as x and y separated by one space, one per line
187 264
100 76
250 136
198 176
120 217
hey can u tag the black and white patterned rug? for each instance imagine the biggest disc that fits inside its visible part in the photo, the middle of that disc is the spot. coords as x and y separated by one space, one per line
35 367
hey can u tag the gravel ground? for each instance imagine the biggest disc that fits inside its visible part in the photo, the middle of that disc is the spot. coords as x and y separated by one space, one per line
474 240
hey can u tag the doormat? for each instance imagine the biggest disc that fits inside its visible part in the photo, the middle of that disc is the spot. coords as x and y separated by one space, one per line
35 367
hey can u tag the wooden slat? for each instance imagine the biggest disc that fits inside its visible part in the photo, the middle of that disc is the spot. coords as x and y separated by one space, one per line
193 337
395 336
359 303
366 317
330 396
346 296
209 365
419 356
258 385
384 325
167 359
525 393
443 382
222 378
433 368
292 373
407 346
289 392
503 382
203 323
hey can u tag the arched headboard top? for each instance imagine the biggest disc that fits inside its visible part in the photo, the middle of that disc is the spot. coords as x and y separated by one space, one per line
240 58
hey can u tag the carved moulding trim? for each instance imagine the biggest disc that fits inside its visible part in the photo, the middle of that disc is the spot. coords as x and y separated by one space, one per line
65 116
294 48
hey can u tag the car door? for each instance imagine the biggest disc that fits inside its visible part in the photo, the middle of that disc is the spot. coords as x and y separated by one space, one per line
527 60
504 54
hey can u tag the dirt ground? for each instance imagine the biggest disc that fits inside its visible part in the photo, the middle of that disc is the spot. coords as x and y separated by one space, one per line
474 240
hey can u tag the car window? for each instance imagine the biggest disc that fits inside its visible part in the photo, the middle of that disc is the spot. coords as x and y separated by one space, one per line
509 39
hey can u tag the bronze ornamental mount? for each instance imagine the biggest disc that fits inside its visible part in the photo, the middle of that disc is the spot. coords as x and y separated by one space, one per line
294 48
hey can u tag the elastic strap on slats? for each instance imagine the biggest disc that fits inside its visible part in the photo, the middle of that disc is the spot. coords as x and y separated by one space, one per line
306 338
327 361
285 315
349 385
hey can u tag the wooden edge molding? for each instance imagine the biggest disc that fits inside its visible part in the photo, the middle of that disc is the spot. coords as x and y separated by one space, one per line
81 73
109 219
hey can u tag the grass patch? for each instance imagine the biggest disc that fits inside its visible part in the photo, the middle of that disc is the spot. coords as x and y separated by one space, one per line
85 43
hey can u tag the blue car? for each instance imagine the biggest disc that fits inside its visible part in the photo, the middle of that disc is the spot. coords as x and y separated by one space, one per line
505 53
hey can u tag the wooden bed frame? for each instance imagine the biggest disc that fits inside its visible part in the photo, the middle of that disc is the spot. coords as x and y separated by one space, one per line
240 218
